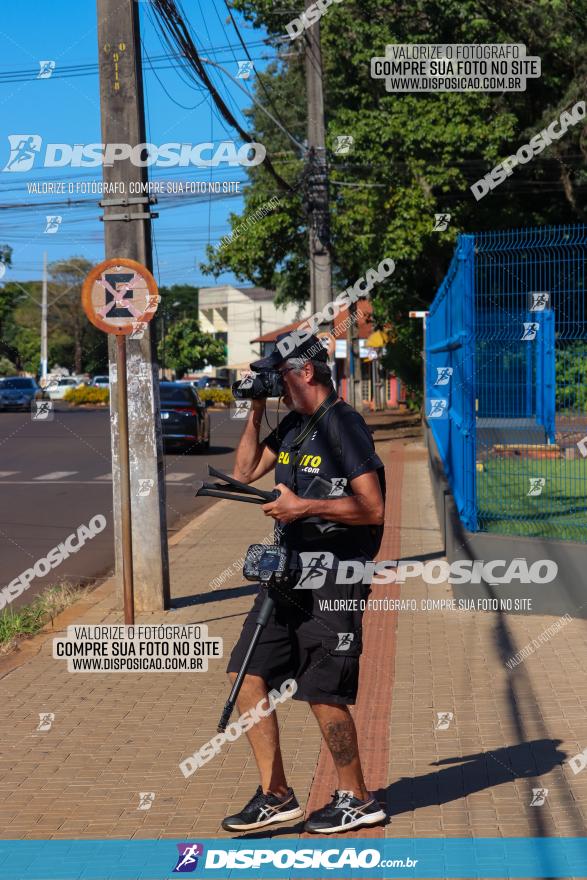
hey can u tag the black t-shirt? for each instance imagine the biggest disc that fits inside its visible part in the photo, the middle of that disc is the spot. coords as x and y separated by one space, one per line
338 449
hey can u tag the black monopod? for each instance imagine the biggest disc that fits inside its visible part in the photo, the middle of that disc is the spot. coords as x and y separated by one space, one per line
237 491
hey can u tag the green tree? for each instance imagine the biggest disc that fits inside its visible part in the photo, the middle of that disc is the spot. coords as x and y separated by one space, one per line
20 316
65 307
179 301
7 368
73 342
414 154
187 347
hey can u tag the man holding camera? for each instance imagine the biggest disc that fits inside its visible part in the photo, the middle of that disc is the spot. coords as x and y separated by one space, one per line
330 508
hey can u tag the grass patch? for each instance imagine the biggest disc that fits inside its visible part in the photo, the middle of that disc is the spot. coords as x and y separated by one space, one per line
30 619
560 511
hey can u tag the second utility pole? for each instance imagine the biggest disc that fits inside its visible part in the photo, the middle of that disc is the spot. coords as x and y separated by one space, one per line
44 356
320 262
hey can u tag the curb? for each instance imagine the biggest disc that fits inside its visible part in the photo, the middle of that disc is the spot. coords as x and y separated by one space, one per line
30 647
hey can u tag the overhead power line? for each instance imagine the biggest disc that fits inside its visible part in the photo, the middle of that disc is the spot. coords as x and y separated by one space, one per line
91 69
177 35
259 78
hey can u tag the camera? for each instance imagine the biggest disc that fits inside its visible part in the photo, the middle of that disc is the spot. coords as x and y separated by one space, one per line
271 565
264 384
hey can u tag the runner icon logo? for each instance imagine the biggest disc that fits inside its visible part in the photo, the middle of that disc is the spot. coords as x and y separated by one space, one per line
138 330
314 570
438 408
539 301
539 796
53 224
146 799
42 411
23 149
444 719
537 484
530 331
145 487
443 375
46 720
187 860
338 486
343 144
46 69
240 410
244 69
441 222
345 640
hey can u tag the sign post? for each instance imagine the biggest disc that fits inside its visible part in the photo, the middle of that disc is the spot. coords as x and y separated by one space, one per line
120 296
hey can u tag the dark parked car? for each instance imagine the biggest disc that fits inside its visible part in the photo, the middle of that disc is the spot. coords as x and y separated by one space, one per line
184 417
212 382
18 392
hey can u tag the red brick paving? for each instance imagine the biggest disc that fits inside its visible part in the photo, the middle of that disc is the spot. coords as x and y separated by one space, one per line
377 668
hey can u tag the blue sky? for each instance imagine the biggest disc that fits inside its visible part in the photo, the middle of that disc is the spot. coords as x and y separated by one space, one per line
66 110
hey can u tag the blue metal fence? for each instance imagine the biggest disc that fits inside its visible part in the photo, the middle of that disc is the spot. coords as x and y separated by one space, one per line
506 390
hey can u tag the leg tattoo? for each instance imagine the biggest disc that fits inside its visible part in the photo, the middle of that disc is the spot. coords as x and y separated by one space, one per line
341 740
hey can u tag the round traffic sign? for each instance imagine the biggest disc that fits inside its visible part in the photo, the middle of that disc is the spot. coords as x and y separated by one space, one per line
120 296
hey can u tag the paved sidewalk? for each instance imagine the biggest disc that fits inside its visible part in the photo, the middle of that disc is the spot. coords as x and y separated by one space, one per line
511 728
116 735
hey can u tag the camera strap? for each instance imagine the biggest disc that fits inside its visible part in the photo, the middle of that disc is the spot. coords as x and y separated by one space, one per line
298 443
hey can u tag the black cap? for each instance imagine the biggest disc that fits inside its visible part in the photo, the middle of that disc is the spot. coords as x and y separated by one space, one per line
311 349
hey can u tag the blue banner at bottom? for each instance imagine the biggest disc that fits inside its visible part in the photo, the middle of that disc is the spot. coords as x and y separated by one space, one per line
527 857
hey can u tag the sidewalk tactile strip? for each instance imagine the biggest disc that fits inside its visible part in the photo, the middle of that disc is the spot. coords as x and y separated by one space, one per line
377 671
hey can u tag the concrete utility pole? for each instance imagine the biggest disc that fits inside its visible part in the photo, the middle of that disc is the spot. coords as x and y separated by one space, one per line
44 355
353 359
320 263
127 233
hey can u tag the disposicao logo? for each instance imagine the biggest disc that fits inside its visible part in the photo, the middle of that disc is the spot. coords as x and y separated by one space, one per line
187 860
24 149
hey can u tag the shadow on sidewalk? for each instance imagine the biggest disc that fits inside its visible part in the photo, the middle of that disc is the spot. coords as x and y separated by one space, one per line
214 596
474 773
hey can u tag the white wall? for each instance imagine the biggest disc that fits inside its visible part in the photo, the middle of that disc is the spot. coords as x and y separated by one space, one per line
241 319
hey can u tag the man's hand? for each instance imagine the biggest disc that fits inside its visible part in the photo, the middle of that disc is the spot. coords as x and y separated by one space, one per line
288 507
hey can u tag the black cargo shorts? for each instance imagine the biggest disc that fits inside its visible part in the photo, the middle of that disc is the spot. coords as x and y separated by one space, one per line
313 636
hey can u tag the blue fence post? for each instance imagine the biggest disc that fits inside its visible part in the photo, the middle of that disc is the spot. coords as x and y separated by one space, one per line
546 373
469 393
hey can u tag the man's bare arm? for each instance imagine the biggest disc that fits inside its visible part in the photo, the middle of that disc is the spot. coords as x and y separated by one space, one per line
253 459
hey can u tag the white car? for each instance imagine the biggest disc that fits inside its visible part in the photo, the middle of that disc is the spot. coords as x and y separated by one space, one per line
100 382
56 390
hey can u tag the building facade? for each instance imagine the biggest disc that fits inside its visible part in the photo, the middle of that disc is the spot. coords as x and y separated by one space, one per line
239 315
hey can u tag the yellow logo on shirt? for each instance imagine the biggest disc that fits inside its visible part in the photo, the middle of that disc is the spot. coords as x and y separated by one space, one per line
306 461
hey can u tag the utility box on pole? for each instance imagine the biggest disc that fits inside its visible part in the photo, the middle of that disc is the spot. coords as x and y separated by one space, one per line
127 233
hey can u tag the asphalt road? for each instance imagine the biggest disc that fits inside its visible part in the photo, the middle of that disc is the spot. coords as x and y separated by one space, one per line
55 476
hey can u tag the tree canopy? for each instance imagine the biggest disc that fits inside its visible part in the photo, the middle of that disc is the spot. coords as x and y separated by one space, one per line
186 347
413 155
